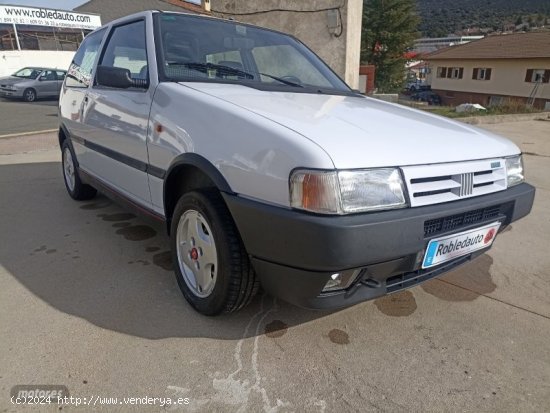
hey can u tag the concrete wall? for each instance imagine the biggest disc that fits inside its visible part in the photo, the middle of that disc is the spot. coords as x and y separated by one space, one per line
507 77
11 61
308 21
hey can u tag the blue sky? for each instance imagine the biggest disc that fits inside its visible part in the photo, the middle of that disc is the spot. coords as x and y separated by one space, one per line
51 4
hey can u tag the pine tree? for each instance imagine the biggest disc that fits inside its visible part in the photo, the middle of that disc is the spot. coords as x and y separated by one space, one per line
389 31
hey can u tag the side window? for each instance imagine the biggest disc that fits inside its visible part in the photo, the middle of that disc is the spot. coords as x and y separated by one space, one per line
60 75
48 75
80 71
126 49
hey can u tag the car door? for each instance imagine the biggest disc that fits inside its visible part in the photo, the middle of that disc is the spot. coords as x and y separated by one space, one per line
73 93
116 120
47 84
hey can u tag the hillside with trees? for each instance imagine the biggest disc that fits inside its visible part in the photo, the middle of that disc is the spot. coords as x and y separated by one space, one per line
442 17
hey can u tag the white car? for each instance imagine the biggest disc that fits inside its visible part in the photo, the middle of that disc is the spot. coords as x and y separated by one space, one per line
269 170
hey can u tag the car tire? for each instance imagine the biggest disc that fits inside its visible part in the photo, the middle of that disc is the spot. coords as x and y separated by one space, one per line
29 95
76 189
211 264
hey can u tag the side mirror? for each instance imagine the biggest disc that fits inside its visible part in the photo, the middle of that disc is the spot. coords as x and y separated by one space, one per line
114 77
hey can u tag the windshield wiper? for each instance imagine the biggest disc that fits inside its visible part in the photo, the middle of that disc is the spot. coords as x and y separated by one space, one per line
278 79
204 67
228 70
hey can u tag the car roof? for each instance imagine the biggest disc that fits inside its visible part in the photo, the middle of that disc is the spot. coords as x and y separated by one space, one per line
43 68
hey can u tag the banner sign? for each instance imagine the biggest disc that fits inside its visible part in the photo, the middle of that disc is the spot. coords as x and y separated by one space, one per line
48 17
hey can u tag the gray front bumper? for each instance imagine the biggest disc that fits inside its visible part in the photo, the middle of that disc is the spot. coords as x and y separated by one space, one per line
295 253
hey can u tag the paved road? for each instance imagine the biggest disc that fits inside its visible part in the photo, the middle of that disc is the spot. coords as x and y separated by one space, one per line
19 117
87 300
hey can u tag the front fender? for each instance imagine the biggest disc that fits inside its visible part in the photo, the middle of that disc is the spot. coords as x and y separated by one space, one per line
254 155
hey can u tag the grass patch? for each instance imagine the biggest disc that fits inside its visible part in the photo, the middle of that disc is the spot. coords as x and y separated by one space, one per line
506 109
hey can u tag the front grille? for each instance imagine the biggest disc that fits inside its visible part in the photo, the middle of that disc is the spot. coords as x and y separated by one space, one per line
445 224
410 279
437 183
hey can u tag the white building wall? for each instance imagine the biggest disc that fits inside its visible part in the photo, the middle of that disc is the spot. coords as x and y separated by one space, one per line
13 60
507 77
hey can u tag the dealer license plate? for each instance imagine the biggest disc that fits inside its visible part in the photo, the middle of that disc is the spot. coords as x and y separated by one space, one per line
453 246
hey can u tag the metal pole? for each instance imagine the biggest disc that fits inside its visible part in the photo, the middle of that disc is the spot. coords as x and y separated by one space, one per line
57 44
16 37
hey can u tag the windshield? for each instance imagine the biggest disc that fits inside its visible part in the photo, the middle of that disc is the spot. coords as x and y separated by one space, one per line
28 73
211 50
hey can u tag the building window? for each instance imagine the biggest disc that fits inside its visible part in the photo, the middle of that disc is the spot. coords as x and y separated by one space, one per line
7 37
456 73
537 75
482 73
450 72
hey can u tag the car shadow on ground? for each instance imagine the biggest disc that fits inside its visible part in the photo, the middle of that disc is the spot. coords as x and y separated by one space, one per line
97 261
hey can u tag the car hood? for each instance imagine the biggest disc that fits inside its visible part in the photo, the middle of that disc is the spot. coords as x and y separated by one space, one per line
363 132
11 80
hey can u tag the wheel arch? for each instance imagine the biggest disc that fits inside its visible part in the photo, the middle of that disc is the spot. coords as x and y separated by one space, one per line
30 88
188 172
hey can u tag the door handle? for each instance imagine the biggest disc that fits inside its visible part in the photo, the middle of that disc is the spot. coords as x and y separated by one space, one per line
82 106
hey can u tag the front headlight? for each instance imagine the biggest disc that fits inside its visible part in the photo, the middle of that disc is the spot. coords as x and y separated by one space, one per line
346 192
514 170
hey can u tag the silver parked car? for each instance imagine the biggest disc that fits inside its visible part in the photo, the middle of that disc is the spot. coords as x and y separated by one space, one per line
31 83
